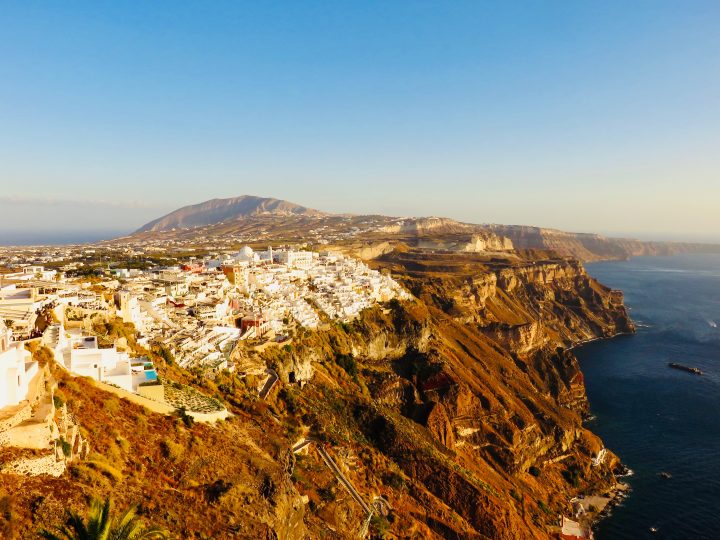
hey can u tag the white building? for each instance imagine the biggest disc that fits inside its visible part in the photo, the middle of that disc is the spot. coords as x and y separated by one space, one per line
20 306
128 309
16 369
84 357
297 259
247 254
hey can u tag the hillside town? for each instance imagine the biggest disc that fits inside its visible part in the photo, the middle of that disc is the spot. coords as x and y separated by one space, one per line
202 311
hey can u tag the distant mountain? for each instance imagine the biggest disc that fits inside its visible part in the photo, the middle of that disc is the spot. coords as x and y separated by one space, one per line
264 218
221 210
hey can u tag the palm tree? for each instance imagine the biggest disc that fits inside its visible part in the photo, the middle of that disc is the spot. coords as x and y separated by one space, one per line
99 526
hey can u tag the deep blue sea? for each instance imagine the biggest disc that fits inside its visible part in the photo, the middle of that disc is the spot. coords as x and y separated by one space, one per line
656 418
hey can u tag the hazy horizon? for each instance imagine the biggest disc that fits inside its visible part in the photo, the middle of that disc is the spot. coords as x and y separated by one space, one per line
29 236
596 117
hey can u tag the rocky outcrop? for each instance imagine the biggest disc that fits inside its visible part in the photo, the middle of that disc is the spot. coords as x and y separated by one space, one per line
528 305
476 243
426 225
485 242
520 338
371 250
49 464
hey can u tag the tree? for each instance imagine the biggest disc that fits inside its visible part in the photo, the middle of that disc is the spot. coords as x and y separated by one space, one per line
100 526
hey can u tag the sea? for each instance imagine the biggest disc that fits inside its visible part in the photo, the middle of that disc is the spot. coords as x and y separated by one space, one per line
659 419
54 238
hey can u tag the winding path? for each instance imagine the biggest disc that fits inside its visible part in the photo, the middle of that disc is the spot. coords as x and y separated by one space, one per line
336 471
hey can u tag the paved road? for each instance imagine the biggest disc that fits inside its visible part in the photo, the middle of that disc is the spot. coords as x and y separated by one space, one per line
269 383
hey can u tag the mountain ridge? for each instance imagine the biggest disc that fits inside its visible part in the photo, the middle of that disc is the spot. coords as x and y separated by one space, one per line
255 216
216 211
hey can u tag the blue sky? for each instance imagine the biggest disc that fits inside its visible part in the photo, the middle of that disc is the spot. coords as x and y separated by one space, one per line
590 116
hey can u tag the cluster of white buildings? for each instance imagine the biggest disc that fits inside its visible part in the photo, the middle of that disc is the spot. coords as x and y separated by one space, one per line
200 309
306 286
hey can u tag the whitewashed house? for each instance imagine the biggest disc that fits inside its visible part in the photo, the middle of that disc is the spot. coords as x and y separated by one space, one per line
16 369
84 357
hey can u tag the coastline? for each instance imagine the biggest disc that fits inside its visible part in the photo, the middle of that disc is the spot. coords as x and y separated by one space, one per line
590 510
641 404
601 338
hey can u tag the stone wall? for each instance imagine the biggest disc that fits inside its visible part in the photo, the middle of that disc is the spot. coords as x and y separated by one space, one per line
23 413
209 417
48 464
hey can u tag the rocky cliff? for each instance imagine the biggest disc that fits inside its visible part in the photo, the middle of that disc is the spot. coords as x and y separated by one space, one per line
426 225
475 243
468 394
593 247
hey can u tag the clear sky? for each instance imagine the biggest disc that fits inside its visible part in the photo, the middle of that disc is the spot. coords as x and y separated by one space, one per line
599 116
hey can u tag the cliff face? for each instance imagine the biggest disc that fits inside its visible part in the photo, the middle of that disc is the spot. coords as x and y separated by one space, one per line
468 390
476 243
425 225
593 247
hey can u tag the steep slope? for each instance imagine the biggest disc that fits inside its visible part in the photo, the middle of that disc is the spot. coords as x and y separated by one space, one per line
219 210
166 468
462 409
466 405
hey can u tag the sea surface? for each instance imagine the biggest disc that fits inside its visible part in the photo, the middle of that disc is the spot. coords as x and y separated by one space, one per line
656 418
55 238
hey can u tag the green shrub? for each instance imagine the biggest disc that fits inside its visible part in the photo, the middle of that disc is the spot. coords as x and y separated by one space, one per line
185 417
572 476
165 354
58 401
106 469
290 400
348 363
394 480
534 471
544 507
172 450
327 494
66 447
379 525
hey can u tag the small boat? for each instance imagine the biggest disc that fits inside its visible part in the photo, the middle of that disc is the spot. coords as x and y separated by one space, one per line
689 369
654 529
665 475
